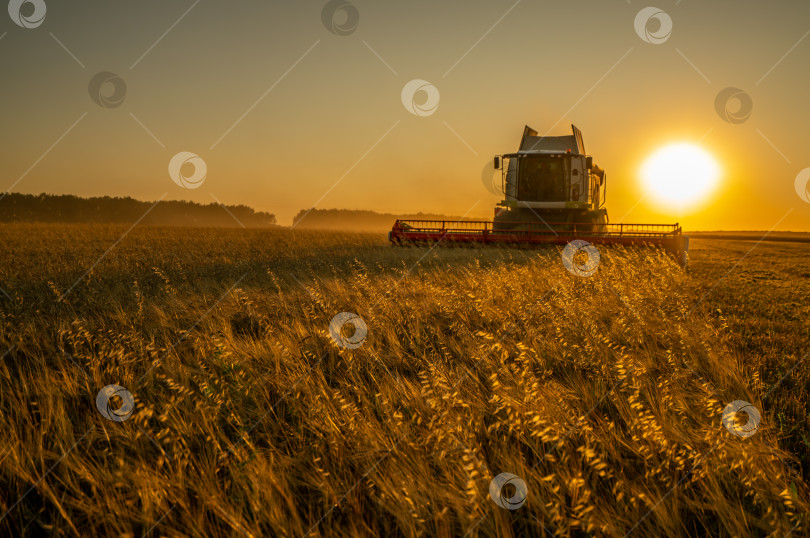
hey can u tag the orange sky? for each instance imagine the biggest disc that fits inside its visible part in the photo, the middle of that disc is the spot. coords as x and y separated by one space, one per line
287 114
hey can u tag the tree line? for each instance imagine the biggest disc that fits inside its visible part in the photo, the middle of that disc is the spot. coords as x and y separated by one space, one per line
73 209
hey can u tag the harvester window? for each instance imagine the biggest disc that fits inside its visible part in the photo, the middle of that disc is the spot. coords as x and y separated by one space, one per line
542 179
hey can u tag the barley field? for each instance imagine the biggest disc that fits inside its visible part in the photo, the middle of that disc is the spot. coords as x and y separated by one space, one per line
605 398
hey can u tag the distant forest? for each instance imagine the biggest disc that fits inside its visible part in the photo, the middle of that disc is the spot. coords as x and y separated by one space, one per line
72 209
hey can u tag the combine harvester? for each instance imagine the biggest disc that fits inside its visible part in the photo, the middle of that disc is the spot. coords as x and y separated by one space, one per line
554 195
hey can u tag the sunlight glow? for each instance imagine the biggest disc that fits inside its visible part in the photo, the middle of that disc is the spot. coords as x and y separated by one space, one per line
680 175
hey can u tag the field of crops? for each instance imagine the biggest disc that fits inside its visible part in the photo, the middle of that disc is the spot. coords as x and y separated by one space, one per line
606 398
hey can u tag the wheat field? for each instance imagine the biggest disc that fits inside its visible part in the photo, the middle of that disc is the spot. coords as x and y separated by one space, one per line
604 395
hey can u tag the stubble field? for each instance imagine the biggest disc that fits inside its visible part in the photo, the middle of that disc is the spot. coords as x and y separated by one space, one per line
604 395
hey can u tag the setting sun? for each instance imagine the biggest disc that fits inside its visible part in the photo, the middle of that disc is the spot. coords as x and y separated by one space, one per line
680 175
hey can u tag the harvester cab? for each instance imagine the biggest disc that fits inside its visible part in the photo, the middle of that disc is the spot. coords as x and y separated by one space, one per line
550 179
